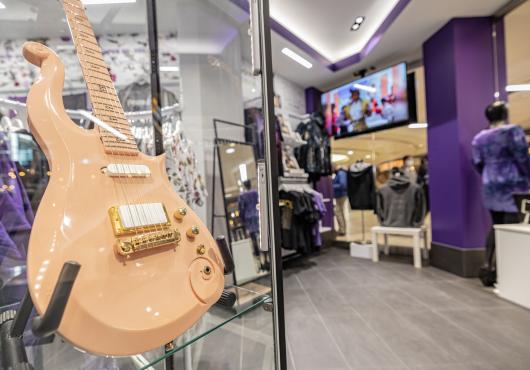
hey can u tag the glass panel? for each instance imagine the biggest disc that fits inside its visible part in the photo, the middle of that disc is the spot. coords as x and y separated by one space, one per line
205 62
203 48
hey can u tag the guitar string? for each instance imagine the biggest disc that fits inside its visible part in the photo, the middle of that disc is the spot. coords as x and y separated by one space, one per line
106 145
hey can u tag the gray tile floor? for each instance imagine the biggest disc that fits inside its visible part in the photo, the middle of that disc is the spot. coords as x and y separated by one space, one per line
345 313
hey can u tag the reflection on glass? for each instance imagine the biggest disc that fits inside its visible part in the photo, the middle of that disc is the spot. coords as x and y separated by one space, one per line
238 168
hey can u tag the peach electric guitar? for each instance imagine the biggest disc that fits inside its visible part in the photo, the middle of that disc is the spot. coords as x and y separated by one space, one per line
149 267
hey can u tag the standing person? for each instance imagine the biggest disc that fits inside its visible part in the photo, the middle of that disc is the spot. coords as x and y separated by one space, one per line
340 193
500 154
358 110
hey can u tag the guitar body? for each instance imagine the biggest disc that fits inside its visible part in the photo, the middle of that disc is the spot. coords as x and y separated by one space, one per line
120 304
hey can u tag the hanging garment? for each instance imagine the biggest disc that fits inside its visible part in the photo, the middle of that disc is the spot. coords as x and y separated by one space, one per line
16 215
400 203
298 218
182 169
137 97
320 211
248 211
315 156
500 154
361 187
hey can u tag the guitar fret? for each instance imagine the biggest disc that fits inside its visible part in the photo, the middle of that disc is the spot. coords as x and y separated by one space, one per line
107 79
106 105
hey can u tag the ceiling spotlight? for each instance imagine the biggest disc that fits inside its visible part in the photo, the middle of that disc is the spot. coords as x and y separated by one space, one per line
350 152
357 24
2 6
230 151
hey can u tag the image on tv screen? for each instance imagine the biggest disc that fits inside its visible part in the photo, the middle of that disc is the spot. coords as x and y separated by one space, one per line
373 102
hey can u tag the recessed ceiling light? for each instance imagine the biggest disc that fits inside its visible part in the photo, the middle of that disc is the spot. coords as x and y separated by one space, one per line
2 5
350 152
518 87
230 151
418 125
368 156
297 58
359 20
355 26
169 68
107 2
338 157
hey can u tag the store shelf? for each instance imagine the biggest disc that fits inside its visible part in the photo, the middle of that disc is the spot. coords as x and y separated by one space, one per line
57 354
215 319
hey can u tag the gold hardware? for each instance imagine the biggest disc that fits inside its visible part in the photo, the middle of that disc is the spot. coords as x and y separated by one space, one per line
180 213
201 249
141 242
192 232
120 229
207 270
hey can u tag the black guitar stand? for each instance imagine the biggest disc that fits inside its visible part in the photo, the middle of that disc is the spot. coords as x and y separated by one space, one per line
12 323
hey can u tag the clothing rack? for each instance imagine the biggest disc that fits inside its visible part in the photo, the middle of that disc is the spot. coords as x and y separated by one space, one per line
84 115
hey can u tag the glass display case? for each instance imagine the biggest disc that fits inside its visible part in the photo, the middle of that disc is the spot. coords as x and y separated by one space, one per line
85 187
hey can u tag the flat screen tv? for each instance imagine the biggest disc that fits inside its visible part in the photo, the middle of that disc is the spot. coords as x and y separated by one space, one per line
374 102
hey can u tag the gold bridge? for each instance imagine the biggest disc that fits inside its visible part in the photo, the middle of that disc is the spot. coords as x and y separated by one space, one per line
141 242
146 226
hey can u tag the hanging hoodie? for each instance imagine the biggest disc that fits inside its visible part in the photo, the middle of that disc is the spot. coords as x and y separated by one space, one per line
361 187
400 203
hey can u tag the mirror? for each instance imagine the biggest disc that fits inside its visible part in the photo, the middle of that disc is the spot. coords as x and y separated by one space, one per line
240 193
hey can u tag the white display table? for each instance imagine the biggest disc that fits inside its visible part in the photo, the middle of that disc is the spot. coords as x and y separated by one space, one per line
513 263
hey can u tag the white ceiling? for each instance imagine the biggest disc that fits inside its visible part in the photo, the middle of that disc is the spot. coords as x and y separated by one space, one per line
402 41
325 26
206 26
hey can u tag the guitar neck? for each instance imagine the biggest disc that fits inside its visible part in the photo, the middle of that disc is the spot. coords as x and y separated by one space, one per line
103 96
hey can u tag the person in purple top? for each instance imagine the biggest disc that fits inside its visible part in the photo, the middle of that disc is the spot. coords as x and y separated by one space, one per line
500 154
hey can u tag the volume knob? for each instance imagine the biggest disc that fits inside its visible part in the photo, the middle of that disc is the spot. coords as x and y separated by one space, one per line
180 213
192 232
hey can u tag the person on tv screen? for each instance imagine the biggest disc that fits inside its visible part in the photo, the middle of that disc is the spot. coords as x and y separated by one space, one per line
343 121
358 111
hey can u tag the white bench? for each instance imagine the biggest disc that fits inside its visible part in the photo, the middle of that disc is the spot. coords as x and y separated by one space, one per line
417 233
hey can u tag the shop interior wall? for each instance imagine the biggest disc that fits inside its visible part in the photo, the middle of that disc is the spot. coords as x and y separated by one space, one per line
517 33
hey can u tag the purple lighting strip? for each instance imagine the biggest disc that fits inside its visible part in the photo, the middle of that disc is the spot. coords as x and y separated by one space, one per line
346 62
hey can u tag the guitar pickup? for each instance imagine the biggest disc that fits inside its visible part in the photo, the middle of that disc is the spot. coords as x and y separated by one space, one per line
138 218
127 170
142 242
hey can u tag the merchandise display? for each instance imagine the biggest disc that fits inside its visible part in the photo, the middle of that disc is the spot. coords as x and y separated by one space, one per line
314 156
301 209
400 202
361 186
137 211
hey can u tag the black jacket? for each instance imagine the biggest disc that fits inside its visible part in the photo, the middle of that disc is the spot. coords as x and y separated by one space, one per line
361 188
315 156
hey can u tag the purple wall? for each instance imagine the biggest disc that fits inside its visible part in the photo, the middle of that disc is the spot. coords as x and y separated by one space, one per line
312 100
459 81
